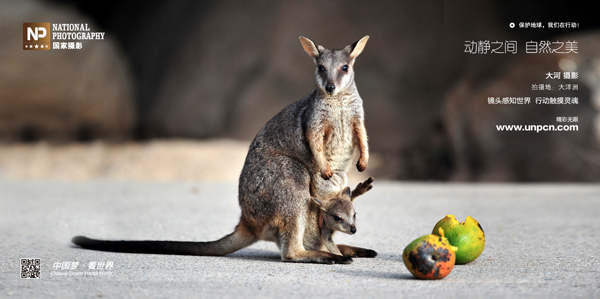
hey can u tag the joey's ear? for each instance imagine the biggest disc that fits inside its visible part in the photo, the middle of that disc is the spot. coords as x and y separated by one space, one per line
357 48
319 203
309 47
347 192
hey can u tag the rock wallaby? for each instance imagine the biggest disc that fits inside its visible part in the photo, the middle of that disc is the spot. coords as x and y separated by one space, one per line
303 152
330 119
338 215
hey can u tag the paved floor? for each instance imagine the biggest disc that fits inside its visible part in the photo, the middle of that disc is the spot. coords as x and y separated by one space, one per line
542 242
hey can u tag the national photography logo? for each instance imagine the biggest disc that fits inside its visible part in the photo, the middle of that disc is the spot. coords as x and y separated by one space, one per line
63 36
36 36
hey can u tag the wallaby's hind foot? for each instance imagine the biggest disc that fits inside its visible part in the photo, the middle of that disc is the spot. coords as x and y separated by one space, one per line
293 250
319 257
362 188
351 251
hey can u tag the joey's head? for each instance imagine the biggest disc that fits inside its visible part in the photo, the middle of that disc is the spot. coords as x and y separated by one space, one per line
338 213
335 68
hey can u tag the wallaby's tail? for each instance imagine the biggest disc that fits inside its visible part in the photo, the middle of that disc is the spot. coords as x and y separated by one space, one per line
235 241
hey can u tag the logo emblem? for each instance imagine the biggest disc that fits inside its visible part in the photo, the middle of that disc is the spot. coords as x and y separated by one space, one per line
36 36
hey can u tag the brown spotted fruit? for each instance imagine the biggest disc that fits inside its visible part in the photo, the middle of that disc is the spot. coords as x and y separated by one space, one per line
430 257
468 236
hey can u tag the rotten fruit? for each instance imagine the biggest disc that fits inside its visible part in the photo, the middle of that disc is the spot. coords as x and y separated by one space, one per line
468 236
430 256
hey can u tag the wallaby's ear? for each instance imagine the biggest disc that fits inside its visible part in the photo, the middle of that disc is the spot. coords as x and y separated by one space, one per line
357 48
347 192
319 203
309 47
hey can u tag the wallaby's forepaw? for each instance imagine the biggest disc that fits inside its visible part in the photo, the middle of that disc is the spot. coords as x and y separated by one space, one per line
361 165
327 173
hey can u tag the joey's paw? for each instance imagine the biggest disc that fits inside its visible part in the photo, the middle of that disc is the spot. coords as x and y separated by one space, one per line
370 253
361 165
361 252
362 188
367 184
352 251
327 173
344 260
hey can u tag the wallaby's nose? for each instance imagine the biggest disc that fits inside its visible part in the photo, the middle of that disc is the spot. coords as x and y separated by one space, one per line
330 87
353 230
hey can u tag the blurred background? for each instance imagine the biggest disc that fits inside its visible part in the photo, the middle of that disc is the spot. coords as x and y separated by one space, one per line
178 89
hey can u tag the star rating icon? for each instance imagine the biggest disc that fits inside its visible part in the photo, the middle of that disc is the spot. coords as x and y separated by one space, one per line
38 47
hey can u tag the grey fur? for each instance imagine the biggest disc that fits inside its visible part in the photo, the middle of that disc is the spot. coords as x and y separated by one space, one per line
338 215
303 152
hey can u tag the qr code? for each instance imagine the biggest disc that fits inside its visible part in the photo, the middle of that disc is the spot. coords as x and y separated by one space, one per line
30 268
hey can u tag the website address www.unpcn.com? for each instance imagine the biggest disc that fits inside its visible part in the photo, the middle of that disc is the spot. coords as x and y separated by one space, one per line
537 128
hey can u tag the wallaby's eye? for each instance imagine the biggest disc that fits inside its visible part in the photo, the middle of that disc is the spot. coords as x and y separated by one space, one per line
320 68
345 68
354 215
336 218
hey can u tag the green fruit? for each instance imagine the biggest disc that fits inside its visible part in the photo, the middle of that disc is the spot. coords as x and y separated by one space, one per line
468 236
429 257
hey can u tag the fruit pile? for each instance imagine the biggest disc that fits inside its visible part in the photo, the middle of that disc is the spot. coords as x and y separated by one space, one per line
433 256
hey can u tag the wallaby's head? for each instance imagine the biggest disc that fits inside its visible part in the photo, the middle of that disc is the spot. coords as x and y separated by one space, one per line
335 68
338 213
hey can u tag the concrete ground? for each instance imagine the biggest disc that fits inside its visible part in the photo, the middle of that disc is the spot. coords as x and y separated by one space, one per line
542 242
